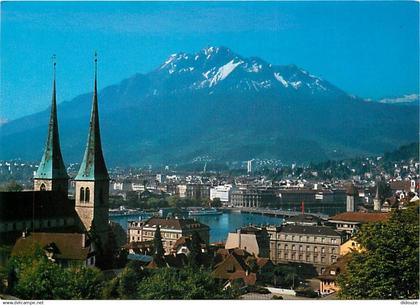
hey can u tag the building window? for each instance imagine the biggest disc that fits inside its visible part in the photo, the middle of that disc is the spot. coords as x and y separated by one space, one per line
293 247
82 194
42 188
300 248
322 250
87 195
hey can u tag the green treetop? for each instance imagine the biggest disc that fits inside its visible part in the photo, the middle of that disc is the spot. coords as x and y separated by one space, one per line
389 266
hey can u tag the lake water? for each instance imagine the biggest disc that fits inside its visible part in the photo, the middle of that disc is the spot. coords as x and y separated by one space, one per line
220 225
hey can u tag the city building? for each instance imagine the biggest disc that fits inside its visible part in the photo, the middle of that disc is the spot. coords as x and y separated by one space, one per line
249 166
254 240
253 197
328 278
315 245
304 220
404 186
223 192
289 198
351 198
171 230
193 191
377 200
350 246
350 222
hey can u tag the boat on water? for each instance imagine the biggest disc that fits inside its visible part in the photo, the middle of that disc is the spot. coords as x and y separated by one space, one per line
204 212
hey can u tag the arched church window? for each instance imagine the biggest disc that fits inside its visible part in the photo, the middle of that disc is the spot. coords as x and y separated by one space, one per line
87 195
42 188
82 194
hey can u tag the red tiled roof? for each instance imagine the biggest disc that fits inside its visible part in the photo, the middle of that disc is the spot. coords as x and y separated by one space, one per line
69 246
360 217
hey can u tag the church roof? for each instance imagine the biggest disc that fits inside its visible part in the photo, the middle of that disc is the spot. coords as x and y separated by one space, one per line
65 246
93 165
52 165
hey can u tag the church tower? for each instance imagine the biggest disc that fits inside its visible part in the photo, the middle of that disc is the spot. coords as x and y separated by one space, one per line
51 174
377 199
92 180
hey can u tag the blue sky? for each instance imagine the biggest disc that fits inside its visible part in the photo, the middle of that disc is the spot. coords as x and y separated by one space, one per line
370 49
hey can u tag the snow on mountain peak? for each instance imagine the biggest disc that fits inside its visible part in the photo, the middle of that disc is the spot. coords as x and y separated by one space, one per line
281 79
408 98
212 77
212 65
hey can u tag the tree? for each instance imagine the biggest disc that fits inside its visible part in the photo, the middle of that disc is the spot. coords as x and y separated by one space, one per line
216 203
285 276
186 284
42 280
388 267
85 283
11 186
36 277
195 254
128 281
157 244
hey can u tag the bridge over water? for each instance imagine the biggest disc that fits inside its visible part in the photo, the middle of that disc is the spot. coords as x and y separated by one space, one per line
271 212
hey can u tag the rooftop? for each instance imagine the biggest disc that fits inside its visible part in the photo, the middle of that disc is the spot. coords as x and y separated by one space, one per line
360 217
71 246
173 223
309 230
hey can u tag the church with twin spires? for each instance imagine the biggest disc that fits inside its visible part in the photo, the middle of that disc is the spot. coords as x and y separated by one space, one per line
47 213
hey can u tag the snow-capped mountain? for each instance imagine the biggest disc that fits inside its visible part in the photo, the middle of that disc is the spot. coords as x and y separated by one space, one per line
219 104
216 69
405 99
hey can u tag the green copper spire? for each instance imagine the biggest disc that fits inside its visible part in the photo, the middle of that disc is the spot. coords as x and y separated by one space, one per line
52 165
93 166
